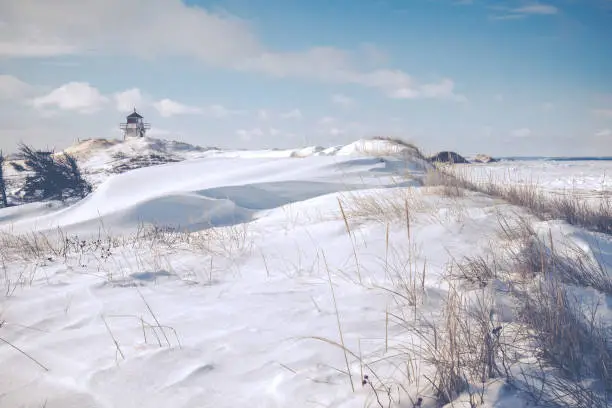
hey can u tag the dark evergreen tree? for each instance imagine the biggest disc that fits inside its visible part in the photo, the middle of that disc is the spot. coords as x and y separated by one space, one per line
3 199
51 176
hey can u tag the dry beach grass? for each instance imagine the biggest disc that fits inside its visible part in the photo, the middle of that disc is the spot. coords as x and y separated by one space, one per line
571 207
466 349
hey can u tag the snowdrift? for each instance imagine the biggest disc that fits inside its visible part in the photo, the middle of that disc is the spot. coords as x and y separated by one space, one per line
221 188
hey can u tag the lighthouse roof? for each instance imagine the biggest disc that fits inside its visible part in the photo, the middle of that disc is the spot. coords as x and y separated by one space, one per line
134 115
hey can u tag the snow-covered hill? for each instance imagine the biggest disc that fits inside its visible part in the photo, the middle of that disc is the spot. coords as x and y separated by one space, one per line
201 187
101 158
275 278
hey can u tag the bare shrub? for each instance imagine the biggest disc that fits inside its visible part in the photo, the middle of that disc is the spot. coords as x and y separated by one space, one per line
390 206
144 160
566 340
114 257
406 276
571 346
475 270
575 211
580 268
450 186
534 256
571 343
461 352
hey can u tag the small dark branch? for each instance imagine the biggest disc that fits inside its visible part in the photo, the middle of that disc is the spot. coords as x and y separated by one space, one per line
115 342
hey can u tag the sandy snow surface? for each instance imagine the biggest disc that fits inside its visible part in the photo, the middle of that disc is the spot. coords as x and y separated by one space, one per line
237 308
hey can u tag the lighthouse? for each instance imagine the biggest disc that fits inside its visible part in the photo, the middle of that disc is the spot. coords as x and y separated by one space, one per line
134 126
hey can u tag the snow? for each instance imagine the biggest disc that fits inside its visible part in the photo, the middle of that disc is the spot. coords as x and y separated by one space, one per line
242 298
375 147
211 191
578 177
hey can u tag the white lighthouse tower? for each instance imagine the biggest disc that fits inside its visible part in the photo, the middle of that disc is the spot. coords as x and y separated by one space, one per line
134 126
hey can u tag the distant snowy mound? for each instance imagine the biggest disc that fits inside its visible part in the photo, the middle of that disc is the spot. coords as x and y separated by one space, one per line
379 147
102 149
309 151
116 156
86 148
484 158
101 157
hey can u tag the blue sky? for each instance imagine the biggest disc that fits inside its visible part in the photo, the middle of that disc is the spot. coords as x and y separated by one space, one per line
501 77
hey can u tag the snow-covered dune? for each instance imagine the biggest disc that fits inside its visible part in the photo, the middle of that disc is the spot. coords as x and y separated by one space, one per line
224 188
102 153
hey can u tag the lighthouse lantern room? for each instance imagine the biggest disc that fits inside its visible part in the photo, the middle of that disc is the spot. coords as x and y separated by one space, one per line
134 126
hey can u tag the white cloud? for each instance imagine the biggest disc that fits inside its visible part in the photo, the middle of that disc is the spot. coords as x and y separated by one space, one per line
247 135
524 11
322 63
272 131
12 88
442 90
523 132
167 107
508 17
74 96
328 64
292 114
404 93
24 48
395 83
334 131
382 78
342 100
536 8
42 28
604 133
127 100
399 85
38 28
84 98
326 120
